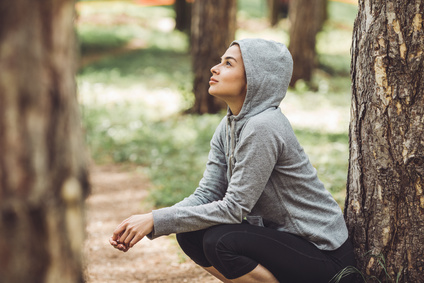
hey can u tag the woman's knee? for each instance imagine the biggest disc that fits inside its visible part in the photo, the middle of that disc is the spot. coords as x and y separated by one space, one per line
213 237
183 239
192 245
224 250
219 241
190 242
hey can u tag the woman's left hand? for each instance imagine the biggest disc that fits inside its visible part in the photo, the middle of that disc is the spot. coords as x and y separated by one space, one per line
131 231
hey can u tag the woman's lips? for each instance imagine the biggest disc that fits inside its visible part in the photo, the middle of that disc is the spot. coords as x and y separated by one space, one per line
212 81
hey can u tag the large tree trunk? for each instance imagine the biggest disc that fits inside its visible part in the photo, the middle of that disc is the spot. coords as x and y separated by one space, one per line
43 178
212 30
385 202
306 20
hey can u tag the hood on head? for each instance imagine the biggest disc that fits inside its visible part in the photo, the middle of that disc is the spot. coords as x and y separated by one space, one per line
268 66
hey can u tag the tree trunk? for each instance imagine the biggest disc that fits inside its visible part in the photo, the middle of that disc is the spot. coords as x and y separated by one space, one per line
43 179
385 202
213 29
306 20
182 15
274 11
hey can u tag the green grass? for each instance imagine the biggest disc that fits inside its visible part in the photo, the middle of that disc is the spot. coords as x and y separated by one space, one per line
95 40
252 9
342 13
367 278
328 153
173 151
132 102
110 25
151 67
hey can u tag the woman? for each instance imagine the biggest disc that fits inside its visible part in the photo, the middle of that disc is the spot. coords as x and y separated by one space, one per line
260 213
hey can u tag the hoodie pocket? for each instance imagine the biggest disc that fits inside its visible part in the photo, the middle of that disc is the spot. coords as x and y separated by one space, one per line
255 220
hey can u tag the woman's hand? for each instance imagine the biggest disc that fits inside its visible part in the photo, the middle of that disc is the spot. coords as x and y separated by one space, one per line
131 230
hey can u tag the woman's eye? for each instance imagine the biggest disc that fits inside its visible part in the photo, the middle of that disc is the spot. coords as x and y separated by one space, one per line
228 63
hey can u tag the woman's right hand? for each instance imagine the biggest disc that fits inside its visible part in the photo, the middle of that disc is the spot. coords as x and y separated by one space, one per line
131 231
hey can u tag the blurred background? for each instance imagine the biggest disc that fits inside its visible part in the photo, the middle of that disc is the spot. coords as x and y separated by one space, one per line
142 92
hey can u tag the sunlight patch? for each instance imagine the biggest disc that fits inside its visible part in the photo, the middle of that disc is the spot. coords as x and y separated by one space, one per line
155 104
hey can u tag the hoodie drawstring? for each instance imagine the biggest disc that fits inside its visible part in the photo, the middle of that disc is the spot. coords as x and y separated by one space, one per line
232 143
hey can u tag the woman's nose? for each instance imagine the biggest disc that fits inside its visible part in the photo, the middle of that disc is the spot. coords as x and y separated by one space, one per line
215 70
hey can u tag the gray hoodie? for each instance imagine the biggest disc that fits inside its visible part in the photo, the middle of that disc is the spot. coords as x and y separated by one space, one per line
256 169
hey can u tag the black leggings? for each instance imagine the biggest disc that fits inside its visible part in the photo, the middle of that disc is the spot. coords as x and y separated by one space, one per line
235 250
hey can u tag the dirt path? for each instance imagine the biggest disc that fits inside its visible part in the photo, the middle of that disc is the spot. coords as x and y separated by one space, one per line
118 192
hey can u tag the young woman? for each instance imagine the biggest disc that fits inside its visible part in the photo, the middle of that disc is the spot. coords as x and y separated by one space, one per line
260 213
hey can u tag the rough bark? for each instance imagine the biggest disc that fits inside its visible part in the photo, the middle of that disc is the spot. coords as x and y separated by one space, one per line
43 179
385 202
212 30
306 20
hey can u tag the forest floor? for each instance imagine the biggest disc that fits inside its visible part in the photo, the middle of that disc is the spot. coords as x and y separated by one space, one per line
118 192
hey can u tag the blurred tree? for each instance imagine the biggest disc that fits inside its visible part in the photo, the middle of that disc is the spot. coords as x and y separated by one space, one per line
212 30
385 202
274 11
306 20
182 15
43 177
276 8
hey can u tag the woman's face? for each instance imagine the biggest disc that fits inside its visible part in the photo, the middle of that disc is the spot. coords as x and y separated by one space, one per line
228 81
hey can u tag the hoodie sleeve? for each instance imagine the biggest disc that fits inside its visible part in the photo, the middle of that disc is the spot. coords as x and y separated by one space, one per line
253 167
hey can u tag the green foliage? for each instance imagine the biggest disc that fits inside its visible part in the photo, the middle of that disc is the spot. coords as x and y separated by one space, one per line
349 270
328 153
368 278
342 14
335 39
95 40
151 67
173 151
177 172
252 9
110 25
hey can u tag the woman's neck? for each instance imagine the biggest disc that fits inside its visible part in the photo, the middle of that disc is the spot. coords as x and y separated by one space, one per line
235 108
